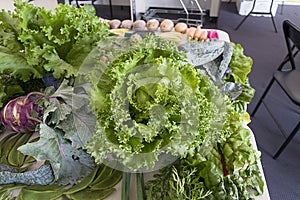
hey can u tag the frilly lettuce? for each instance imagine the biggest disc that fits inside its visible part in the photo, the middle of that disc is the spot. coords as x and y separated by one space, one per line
149 101
35 42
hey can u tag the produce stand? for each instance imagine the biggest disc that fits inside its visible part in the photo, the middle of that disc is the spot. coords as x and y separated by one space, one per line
87 111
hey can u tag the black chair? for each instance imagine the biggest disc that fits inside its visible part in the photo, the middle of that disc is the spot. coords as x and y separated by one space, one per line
288 80
254 12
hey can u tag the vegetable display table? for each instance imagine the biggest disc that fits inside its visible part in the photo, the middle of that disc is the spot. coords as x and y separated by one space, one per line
83 108
149 176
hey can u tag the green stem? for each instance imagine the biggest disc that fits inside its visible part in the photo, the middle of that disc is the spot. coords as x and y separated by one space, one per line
126 186
141 195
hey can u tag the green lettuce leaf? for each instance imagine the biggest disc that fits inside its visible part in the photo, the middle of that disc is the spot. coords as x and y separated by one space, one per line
35 42
59 42
149 100
17 67
240 64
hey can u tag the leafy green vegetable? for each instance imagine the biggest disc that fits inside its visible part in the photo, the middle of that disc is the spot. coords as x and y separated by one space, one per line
240 65
68 109
69 164
189 186
62 39
229 171
35 42
149 101
244 98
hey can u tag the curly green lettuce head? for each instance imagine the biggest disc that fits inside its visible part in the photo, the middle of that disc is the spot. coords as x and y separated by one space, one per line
152 107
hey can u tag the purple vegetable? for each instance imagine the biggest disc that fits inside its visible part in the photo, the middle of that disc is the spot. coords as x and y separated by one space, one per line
212 34
16 115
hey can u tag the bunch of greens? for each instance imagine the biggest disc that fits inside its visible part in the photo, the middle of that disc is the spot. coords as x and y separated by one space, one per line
35 42
147 102
240 66
150 101
229 171
40 49
67 126
226 65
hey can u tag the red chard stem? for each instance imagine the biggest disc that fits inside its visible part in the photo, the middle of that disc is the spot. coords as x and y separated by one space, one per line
225 171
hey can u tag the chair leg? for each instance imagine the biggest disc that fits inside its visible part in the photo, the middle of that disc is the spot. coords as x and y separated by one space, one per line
272 17
110 10
238 26
282 4
262 97
244 19
287 141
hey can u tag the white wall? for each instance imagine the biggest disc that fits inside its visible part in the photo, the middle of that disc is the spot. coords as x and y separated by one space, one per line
7 5
48 4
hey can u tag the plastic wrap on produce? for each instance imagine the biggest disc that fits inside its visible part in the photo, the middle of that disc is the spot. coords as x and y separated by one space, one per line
233 89
213 57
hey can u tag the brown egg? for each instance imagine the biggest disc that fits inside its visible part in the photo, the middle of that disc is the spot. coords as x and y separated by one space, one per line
115 23
152 24
127 23
181 27
139 25
166 25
